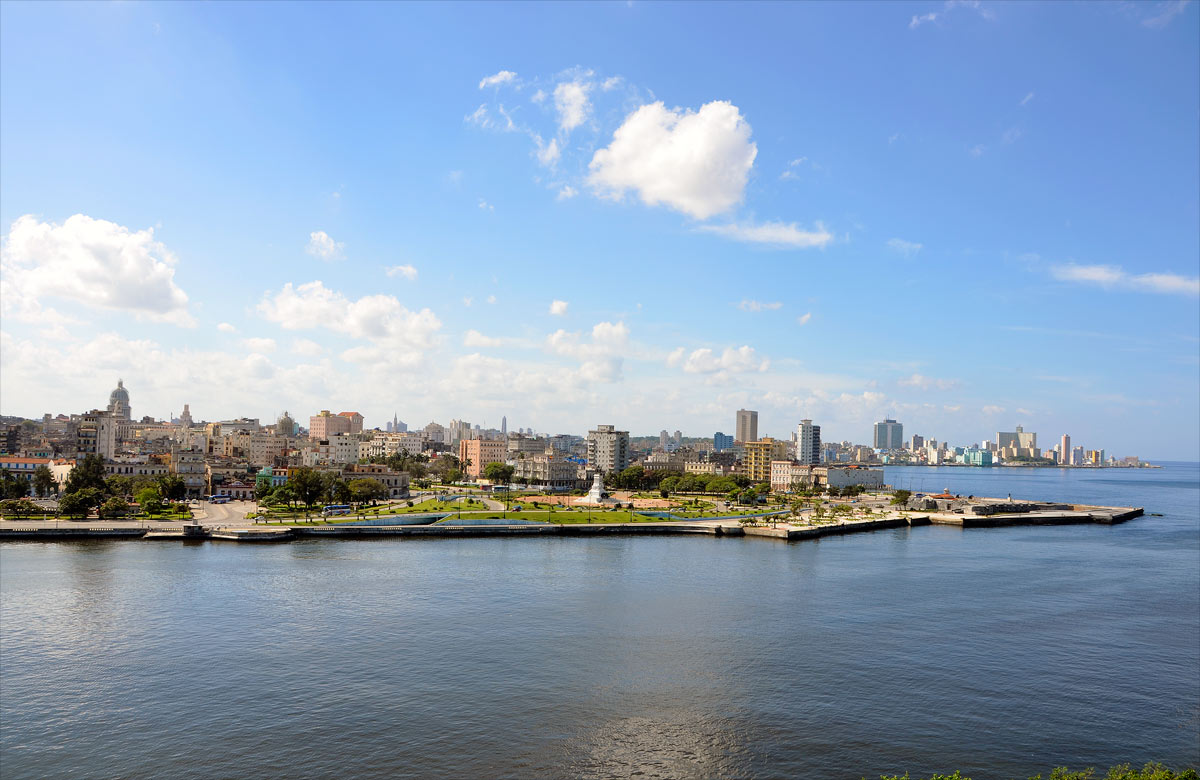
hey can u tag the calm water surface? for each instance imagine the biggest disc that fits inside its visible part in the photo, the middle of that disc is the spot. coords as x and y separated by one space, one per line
1000 652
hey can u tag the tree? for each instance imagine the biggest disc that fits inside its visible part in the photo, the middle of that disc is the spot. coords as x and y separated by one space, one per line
80 502
307 485
900 497
43 481
17 507
118 485
114 507
363 490
498 473
88 473
452 475
150 500
12 486
442 467
172 487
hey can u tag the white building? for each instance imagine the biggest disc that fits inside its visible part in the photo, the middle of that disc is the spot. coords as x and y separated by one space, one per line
607 449
808 443
746 426
889 435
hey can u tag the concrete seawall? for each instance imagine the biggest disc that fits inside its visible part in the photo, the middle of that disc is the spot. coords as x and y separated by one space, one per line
258 534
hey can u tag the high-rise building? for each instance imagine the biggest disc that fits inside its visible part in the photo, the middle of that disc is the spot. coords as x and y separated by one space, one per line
889 435
746 428
808 443
504 426
1018 439
664 438
185 417
607 449
1064 450
476 454
918 442
722 442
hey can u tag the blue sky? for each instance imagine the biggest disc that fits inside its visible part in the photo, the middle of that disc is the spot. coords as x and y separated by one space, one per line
966 215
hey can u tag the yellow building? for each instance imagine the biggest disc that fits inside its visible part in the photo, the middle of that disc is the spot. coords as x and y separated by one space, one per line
759 455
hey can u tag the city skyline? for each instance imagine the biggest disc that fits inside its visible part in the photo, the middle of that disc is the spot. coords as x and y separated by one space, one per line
509 233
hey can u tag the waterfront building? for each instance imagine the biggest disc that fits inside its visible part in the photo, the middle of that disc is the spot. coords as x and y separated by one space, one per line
607 449
746 426
976 457
918 441
759 455
889 435
808 443
722 442
1064 450
548 469
476 454
787 476
1019 440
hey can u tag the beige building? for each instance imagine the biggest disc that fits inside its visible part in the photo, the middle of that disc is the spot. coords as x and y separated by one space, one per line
325 424
548 469
607 449
475 454
746 426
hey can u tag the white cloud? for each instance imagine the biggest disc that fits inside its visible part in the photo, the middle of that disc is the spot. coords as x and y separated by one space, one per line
407 271
730 361
948 6
321 245
491 299
256 344
783 234
748 305
538 96
484 205
473 338
1111 276
611 83
503 77
558 308
927 383
571 101
467 301
566 193
225 327
977 150
1011 135
1025 100
893 138
548 154
306 347
380 319
694 162
906 248
804 318
92 262
600 358
1168 11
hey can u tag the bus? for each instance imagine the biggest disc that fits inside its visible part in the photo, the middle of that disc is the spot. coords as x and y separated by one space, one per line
219 499
336 509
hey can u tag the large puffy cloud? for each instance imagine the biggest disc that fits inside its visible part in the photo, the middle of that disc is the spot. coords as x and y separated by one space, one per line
93 262
601 357
706 361
694 162
380 319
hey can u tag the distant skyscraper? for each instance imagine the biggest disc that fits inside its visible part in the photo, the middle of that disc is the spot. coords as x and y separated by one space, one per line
808 443
504 427
918 441
889 435
664 438
747 426
722 442
1064 450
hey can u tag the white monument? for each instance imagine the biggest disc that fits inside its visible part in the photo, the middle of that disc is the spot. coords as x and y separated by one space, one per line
596 495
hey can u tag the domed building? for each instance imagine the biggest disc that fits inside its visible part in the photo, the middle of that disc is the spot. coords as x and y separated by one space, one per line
285 426
118 402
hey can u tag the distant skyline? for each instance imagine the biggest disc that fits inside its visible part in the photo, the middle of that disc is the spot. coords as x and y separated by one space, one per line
965 216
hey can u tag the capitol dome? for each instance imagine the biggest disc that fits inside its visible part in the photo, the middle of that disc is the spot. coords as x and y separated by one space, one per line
120 395
285 425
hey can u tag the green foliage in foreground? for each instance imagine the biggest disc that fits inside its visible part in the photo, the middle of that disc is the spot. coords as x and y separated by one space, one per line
1150 771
